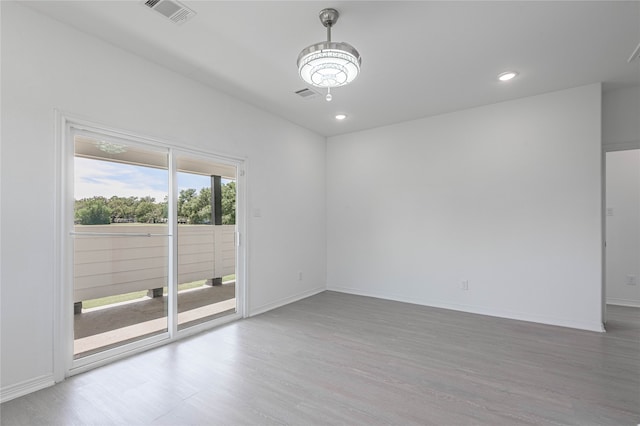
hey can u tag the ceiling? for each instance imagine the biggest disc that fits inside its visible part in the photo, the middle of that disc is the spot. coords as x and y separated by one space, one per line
418 58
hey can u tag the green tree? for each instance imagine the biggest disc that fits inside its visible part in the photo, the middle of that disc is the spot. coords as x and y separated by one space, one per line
194 207
148 211
190 208
93 211
164 208
202 213
185 199
229 203
123 209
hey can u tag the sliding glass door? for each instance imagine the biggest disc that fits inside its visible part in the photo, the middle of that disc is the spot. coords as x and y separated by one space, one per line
206 211
120 244
153 243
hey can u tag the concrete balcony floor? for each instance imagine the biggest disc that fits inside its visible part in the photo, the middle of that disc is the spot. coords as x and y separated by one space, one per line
102 328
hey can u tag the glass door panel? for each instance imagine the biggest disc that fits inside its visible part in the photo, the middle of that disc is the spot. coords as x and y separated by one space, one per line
120 245
206 211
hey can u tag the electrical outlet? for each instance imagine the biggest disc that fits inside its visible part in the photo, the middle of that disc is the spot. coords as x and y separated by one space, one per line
632 280
464 285
299 275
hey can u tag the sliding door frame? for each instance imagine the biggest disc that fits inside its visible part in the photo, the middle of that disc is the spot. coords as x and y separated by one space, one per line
606 148
63 334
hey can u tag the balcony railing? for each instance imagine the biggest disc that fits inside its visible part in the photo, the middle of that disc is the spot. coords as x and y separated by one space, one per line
108 262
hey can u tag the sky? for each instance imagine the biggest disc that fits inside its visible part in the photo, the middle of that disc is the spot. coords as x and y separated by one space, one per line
106 179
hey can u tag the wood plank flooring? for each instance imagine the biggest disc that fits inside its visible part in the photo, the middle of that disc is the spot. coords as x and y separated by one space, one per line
343 359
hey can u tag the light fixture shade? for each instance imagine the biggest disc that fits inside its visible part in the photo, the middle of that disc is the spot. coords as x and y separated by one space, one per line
329 64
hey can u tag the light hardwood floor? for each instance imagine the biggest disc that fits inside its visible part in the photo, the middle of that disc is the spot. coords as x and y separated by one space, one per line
342 359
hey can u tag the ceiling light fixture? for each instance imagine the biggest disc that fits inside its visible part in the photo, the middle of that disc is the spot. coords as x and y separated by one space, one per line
341 116
328 63
507 75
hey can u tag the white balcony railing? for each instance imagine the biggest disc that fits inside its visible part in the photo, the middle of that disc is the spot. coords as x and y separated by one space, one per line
107 265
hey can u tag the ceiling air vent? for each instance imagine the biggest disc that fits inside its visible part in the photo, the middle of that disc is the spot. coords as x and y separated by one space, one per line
307 93
175 11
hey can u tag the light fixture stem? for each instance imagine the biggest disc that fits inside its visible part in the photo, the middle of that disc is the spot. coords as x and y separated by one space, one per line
328 33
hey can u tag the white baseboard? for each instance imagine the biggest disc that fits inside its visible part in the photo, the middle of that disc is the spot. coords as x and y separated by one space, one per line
278 303
561 322
623 302
17 390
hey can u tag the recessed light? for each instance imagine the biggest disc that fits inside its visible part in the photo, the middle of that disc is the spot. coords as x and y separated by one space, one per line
507 75
341 116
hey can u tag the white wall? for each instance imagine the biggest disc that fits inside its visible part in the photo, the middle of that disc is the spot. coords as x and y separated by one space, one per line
506 196
47 65
621 117
623 227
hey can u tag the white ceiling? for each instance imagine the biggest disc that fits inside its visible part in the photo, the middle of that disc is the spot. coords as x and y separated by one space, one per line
418 58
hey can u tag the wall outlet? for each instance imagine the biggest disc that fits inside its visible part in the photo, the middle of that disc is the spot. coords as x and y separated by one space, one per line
464 285
299 275
632 280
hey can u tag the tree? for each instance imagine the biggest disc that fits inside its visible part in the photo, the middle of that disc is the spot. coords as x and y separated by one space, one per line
145 210
185 199
93 212
164 208
122 209
194 207
188 205
229 203
202 213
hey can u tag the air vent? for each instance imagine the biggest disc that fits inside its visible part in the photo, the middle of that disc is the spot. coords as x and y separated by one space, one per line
307 93
175 11
635 55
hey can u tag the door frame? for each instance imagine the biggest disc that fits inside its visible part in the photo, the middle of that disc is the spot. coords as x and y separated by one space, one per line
63 336
611 147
